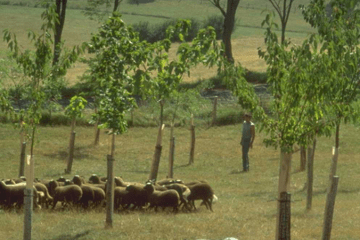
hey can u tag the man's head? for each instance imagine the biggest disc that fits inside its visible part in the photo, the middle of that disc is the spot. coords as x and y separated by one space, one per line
247 117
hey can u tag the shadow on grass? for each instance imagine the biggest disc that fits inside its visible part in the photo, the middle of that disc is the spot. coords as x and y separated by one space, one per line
71 237
238 172
63 155
181 166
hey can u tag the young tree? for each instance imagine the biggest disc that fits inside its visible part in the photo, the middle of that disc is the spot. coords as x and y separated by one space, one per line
340 52
38 71
283 12
93 8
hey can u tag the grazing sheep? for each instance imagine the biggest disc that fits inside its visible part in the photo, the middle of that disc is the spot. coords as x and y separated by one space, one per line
9 182
167 181
98 194
168 198
201 191
121 198
46 199
183 191
95 179
137 196
79 180
13 195
121 183
70 194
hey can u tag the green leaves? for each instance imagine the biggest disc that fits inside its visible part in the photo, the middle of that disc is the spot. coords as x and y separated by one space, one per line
76 107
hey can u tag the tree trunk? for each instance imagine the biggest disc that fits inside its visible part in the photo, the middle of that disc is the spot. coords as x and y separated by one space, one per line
284 182
161 112
157 155
116 5
335 154
171 152
229 23
310 175
59 25
302 158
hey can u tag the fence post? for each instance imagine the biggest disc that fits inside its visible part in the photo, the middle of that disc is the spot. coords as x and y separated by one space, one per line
329 208
284 216
192 145
22 159
28 197
214 110
109 192
171 152
71 153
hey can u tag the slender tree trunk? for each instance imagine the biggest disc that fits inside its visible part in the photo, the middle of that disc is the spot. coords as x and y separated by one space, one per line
284 183
335 153
59 26
97 131
310 175
161 112
229 23
302 158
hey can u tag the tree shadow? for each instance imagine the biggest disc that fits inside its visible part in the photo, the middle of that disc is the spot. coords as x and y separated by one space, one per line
71 237
63 155
181 166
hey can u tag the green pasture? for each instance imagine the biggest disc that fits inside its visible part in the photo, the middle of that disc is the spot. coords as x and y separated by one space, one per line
20 19
247 37
246 208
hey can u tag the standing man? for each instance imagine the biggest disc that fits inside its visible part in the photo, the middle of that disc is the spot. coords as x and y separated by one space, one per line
247 139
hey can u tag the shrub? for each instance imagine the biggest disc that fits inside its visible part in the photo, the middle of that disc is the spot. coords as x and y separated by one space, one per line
217 22
154 33
4 2
255 77
139 1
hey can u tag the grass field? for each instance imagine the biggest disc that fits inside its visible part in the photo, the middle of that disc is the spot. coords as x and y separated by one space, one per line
247 37
247 201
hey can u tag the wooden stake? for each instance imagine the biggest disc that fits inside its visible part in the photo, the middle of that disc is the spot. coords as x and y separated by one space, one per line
329 208
192 142
171 152
335 155
22 159
284 182
214 111
109 192
157 155
28 197
310 174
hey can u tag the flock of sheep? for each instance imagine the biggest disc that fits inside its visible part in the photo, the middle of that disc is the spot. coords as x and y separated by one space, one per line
78 193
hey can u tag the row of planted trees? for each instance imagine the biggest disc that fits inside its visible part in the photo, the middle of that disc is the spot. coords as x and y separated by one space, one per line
314 85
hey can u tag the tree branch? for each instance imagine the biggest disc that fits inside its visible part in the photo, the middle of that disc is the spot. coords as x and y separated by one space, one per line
216 3
277 7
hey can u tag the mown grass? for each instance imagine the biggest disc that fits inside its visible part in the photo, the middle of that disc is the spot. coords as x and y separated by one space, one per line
247 201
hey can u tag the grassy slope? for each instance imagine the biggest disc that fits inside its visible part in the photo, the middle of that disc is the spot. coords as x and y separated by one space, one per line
246 207
247 37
